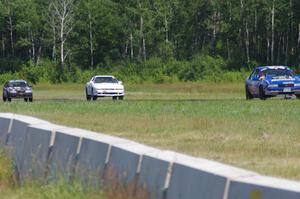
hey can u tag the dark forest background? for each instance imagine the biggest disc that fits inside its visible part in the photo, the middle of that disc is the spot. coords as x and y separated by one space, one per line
146 40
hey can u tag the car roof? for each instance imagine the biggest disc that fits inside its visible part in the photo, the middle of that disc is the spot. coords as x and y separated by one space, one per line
272 67
18 80
104 76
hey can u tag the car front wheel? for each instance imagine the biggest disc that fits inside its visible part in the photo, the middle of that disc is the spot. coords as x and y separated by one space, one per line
248 94
4 97
7 97
94 97
262 94
88 97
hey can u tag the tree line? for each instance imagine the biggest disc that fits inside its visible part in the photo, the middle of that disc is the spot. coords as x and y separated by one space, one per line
91 34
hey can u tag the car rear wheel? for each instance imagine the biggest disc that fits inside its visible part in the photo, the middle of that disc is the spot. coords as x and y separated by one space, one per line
114 97
262 94
9 99
30 99
298 97
25 99
121 97
248 94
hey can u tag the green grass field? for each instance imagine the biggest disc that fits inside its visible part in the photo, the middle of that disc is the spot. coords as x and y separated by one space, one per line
201 119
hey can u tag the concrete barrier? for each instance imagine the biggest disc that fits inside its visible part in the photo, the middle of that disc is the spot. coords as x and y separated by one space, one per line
93 156
200 178
5 124
37 145
261 187
17 134
62 158
124 162
191 183
91 162
154 172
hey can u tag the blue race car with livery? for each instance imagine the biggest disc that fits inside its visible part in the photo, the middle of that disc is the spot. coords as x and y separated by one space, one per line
271 81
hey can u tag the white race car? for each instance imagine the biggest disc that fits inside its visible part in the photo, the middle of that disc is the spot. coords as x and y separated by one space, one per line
104 86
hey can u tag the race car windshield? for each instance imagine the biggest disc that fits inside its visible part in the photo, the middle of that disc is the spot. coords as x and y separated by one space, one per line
105 80
17 84
278 72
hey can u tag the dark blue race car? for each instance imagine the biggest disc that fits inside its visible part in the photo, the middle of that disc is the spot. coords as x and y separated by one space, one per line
17 89
270 81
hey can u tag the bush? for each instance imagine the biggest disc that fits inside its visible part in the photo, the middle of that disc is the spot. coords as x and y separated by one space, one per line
30 72
203 68
154 70
236 76
85 76
8 76
71 74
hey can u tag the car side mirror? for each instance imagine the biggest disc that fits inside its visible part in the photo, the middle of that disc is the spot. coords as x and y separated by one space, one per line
120 82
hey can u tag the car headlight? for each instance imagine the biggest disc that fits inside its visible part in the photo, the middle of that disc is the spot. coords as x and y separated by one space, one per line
272 85
28 90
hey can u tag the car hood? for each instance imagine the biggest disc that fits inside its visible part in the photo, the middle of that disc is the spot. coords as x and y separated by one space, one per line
108 86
